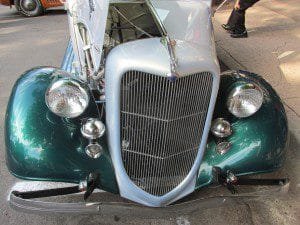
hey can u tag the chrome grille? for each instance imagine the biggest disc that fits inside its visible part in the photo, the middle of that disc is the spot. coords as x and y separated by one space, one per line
161 127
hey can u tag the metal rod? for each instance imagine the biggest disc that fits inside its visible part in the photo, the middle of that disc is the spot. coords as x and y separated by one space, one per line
135 18
136 27
47 193
221 5
266 182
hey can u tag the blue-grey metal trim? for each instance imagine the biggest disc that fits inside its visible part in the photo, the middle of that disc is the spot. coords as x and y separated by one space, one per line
68 58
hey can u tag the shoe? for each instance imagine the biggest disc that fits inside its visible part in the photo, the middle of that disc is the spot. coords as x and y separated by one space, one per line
243 34
227 27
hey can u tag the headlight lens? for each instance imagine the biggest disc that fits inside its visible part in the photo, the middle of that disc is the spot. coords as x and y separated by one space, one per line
67 97
245 100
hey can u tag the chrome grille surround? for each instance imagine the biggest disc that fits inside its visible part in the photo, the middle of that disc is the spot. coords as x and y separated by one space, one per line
150 56
162 124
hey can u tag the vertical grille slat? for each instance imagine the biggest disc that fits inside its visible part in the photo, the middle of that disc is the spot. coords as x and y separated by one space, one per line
162 125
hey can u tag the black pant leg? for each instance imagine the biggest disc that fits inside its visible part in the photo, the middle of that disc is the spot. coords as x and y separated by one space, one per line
232 19
245 4
237 17
240 21
237 20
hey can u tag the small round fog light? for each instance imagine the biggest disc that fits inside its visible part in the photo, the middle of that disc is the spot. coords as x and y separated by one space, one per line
93 128
94 150
221 128
223 147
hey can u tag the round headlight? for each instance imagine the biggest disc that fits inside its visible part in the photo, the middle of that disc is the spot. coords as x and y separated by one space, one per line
245 100
67 97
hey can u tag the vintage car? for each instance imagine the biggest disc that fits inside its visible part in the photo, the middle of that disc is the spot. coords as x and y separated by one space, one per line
32 7
140 108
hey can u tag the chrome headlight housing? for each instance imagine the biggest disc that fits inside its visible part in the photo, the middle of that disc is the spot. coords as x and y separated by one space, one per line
245 99
93 128
67 97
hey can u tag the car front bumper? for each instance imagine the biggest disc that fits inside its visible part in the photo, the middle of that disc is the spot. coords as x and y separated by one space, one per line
29 201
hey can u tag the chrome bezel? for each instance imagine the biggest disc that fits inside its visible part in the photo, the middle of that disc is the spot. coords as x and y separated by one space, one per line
67 81
236 91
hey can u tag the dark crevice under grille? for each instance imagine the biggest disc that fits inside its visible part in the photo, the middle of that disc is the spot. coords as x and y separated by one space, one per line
161 127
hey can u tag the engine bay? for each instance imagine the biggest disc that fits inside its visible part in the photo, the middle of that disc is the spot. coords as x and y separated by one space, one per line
128 22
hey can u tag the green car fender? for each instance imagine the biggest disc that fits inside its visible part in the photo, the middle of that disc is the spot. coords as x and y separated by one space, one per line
258 142
42 146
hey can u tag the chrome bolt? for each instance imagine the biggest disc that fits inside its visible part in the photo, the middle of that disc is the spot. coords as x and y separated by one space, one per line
94 150
231 178
82 185
223 147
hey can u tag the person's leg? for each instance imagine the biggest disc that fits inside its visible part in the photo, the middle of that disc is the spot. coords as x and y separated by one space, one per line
241 12
240 28
237 16
231 19
240 21
229 26
234 21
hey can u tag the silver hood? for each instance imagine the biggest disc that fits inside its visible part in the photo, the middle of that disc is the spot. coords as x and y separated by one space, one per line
184 20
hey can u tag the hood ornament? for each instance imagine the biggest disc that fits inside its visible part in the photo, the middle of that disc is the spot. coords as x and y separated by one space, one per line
173 75
166 40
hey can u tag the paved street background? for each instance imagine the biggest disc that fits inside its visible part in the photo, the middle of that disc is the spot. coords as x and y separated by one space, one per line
272 50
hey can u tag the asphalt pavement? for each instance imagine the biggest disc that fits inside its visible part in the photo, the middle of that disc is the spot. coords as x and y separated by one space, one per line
30 42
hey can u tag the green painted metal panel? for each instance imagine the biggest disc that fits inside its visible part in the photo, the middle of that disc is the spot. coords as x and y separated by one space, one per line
43 146
258 142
